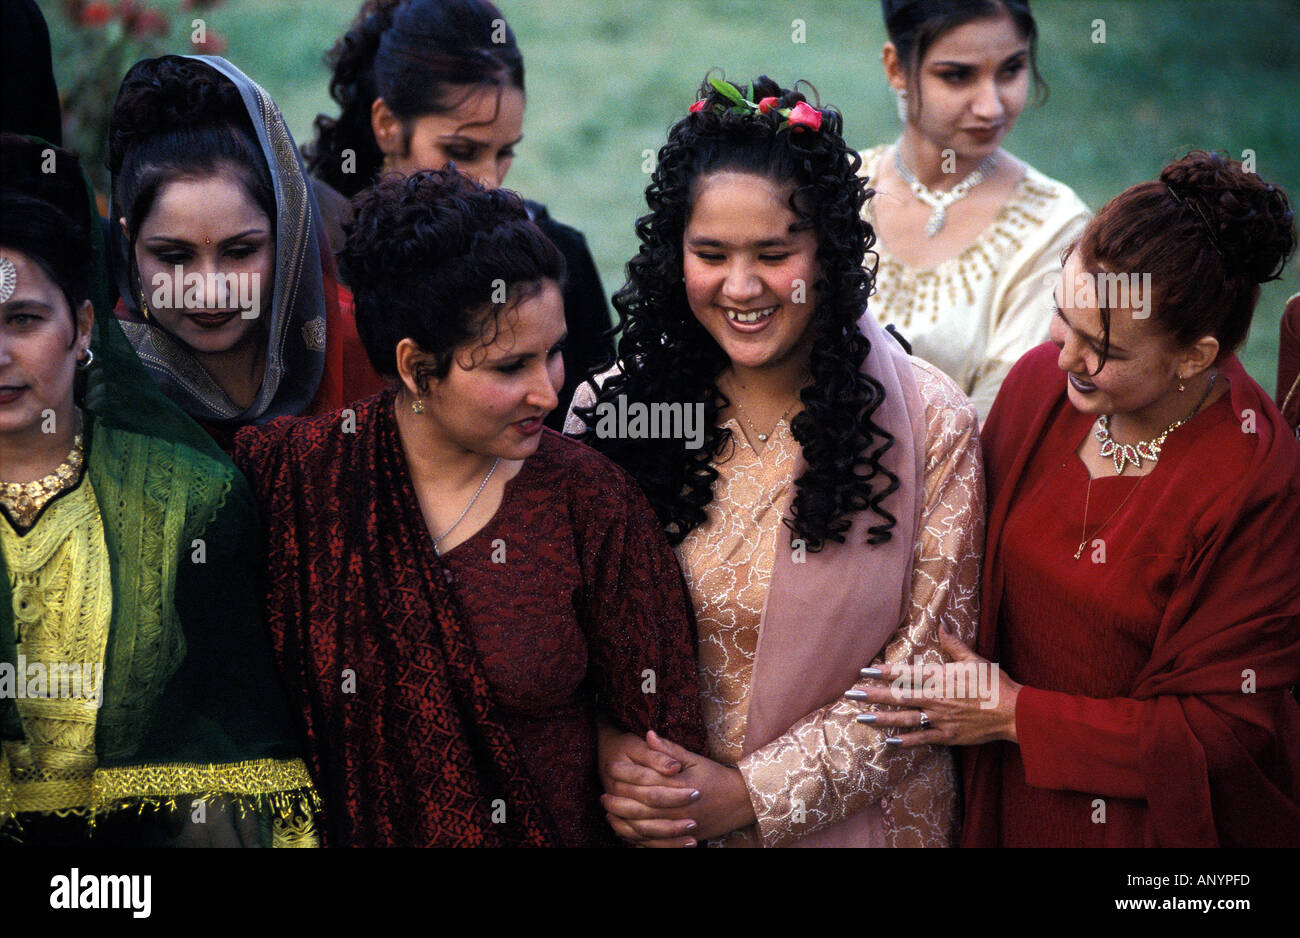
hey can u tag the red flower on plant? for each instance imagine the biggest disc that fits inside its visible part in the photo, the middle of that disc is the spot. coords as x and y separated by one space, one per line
767 105
803 115
95 15
697 106
213 43
150 23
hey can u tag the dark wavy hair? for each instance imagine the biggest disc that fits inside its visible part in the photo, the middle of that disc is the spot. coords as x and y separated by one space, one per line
425 255
411 53
915 25
1209 232
177 117
666 356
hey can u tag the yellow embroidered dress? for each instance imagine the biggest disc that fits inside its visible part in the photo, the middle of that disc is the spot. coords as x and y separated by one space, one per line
975 314
134 669
62 604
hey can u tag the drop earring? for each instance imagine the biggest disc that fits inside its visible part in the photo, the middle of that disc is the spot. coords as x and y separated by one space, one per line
144 302
901 100
1181 389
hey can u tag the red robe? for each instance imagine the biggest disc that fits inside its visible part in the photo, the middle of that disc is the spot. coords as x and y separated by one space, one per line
1163 703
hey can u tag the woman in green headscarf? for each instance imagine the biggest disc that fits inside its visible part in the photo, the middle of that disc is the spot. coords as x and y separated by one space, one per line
134 668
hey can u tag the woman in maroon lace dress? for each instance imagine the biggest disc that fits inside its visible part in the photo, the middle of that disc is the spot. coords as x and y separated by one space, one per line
459 596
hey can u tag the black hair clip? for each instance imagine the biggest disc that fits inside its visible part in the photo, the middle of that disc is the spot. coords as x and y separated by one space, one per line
1209 229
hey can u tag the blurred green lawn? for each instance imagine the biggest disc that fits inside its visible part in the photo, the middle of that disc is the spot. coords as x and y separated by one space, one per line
605 80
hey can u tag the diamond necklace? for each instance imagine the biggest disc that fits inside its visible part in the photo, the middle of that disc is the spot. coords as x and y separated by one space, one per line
1124 453
939 201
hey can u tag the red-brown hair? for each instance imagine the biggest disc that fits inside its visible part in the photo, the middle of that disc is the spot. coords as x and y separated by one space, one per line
1209 233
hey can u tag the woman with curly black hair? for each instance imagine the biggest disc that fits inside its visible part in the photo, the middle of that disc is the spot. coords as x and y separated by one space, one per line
830 513
495 589
424 83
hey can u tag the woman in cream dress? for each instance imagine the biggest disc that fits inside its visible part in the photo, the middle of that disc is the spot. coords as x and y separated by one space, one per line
968 236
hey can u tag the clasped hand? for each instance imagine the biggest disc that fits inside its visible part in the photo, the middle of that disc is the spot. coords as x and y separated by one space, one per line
658 794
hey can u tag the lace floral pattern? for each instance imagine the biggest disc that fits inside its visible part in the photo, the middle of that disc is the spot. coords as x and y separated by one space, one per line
828 766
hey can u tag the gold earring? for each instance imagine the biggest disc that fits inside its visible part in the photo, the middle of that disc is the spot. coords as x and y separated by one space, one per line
1181 389
417 406
144 303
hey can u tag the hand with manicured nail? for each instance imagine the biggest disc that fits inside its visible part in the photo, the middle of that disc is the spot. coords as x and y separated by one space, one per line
966 701
704 799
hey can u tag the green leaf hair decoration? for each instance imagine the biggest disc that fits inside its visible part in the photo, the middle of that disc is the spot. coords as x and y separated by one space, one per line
802 116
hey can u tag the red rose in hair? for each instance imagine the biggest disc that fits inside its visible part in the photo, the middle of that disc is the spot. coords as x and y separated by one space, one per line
802 115
697 106
213 43
767 105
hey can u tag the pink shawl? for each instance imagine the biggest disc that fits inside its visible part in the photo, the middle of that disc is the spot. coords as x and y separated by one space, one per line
833 614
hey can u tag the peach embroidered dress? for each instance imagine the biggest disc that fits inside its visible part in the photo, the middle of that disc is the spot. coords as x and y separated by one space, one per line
826 779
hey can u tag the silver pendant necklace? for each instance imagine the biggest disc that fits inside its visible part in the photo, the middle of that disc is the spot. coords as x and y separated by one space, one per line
940 201
438 540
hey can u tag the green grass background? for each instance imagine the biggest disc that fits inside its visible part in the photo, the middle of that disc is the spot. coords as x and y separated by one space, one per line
606 79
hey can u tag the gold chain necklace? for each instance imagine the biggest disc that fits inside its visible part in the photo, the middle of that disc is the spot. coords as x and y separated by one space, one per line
744 414
1083 535
762 437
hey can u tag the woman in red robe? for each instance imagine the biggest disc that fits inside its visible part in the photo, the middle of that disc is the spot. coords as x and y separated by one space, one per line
1144 530
459 597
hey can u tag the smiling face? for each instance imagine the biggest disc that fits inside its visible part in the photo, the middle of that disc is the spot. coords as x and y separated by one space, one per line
493 399
40 344
972 87
1142 365
238 242
479 136
749 278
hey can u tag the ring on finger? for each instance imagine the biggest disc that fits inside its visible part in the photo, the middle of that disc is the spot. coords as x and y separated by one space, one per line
925 721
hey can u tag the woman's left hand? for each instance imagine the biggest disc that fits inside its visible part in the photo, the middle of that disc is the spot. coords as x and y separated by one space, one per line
967 700
722 806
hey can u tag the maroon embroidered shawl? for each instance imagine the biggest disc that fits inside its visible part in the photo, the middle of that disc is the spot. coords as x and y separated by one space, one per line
419 757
